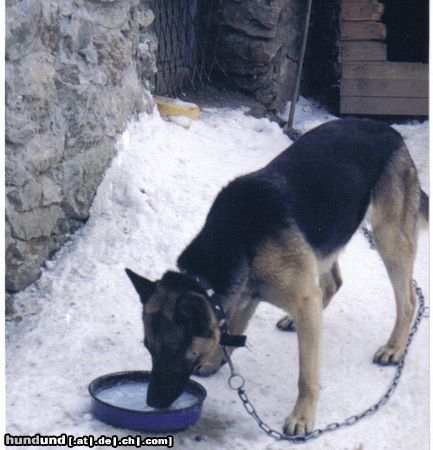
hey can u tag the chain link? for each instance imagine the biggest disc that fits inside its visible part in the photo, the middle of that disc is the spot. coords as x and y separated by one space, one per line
422 310
369 236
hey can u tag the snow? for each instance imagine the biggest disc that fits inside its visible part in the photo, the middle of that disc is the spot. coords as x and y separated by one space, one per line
82 319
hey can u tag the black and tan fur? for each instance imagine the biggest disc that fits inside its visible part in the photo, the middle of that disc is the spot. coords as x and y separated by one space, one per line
274 235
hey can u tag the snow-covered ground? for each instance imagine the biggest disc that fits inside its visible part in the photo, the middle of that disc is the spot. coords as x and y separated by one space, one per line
82 319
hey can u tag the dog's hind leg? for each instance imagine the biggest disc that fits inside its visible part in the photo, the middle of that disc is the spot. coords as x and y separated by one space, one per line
394 224
329 282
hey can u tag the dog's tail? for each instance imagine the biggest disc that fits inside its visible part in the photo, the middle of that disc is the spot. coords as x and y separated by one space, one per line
424 209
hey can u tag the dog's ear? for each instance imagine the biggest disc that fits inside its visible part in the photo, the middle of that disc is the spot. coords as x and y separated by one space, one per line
142 285
194 311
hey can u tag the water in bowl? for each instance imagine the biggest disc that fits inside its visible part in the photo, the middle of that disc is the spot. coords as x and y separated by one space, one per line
133 396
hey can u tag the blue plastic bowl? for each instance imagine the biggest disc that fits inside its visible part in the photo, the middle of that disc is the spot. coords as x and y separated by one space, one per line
158 420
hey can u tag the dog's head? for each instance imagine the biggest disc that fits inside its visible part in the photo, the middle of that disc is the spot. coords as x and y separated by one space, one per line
180 331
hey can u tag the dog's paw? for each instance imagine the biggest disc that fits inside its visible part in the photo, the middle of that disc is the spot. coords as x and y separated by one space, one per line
298 425
387 355
286 324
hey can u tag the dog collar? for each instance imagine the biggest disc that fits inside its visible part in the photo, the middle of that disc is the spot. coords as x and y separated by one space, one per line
226 339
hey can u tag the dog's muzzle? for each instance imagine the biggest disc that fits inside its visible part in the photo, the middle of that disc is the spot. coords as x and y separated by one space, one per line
165 387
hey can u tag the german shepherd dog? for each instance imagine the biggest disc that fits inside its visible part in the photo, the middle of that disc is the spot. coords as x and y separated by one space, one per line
274 235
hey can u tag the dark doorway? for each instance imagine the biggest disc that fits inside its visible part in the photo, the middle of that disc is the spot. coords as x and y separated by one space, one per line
320 78
407 23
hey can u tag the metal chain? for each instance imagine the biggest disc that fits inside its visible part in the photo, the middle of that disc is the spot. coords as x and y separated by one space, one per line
236 382
369 236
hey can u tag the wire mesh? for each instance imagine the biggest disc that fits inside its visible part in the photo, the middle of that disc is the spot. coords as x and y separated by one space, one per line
186 43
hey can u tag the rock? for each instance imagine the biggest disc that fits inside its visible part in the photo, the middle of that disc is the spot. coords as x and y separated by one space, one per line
252 18
257 47
76 72
81 176
21 28
24 260
35 223
9 307
27 197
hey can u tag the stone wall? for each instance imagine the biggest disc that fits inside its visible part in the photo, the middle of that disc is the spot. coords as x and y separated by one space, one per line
257 46
76 71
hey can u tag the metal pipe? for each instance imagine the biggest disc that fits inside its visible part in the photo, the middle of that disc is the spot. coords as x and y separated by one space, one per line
295 94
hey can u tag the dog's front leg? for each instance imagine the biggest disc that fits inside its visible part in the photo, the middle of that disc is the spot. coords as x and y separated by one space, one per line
307 315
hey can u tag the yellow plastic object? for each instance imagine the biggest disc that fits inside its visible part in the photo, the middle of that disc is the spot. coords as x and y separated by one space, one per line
173 107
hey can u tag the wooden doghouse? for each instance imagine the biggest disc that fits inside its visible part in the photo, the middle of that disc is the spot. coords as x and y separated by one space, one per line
371 84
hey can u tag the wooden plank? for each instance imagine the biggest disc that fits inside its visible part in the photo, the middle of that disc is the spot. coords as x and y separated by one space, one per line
384 70
363 51
384 106
384 88
362 10
361 31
